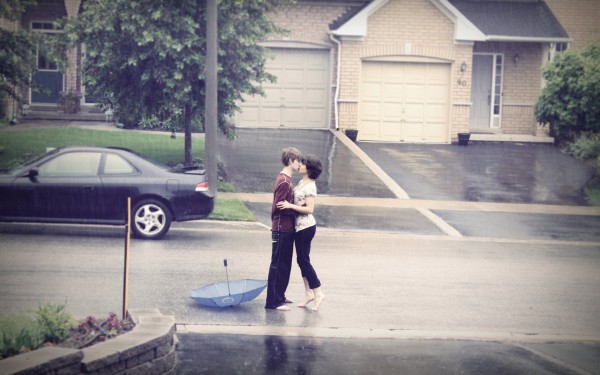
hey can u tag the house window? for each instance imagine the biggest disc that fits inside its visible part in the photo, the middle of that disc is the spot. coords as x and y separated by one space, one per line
561 47
43 62
497 91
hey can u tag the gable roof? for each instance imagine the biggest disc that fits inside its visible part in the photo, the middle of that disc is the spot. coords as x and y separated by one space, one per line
475 20
513 20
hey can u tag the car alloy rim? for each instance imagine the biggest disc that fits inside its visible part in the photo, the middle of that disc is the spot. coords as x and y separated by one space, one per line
150 219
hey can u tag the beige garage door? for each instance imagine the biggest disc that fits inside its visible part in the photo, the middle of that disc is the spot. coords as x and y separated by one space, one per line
404 102
299 97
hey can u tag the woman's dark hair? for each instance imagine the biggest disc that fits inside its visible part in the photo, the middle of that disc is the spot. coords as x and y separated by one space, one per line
313 166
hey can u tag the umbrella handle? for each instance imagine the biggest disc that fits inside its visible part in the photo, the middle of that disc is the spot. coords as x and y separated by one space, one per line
227 275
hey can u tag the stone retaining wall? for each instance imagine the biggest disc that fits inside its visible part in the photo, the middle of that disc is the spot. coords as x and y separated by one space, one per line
148 349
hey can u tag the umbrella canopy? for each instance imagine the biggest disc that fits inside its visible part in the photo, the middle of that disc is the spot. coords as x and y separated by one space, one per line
228 293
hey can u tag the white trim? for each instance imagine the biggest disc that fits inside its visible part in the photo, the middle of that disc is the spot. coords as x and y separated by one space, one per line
293 44
505 38
357 25
464 30
348 100
405 58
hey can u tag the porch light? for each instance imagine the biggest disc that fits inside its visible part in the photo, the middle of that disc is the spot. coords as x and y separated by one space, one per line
516 58
463 67
25 110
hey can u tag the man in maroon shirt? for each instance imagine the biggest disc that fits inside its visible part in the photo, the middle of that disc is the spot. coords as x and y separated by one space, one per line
282 231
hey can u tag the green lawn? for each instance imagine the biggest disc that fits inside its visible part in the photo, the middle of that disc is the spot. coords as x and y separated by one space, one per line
157 146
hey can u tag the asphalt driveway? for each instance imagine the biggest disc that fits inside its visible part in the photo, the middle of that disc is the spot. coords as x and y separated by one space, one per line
480 172
484 172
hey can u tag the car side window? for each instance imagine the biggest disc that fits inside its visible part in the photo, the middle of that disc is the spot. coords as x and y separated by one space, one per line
72 164
115 164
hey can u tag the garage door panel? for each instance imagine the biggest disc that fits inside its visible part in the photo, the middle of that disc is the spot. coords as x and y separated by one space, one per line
435 113
437 93
391 111
412 132
413 102
314 115
371 91
391 131
293 97
434 132
315 78
371 111
370 129
315 97
392 92
415 92
302 85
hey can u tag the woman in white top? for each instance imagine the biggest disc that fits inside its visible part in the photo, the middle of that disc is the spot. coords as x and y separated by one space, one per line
306 226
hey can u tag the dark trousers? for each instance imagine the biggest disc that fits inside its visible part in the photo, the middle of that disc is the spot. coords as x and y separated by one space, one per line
303 240
280 268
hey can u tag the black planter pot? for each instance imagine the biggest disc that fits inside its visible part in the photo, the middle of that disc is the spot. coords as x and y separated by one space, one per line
463 139
352 134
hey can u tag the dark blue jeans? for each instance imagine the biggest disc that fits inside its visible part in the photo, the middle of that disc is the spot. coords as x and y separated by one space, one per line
303 240
280 268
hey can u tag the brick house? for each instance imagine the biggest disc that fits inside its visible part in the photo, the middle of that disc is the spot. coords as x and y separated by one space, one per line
418 70
395 70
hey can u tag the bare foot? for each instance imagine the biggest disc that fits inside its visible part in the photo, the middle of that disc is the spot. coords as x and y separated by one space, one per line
318 300
307 300
282 308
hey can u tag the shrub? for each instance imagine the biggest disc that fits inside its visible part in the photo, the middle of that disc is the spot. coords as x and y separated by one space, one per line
54 322
586 146
18 334
570 100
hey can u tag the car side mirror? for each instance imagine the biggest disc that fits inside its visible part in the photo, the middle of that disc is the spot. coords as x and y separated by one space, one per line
33 173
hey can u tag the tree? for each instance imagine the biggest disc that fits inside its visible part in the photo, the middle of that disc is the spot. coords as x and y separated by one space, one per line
148 56
570 100
17 63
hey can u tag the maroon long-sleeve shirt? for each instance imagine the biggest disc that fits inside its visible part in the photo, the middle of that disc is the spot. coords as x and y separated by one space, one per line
283 220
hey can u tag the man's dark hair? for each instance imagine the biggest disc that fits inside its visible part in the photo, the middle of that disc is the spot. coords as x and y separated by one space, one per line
289 154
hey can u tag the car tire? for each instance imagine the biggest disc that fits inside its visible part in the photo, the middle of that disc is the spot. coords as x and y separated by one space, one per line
151 219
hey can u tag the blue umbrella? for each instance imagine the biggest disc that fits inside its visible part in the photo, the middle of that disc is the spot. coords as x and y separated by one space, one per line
228 293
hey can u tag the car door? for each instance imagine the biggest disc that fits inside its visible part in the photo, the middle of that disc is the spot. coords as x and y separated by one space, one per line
67 186
118 177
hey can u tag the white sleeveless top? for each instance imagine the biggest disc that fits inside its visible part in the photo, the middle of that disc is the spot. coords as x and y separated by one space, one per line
301 192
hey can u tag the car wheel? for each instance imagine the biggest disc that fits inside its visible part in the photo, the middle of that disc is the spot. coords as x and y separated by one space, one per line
151 219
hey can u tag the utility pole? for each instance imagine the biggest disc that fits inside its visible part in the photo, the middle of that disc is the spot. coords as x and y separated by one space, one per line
211 102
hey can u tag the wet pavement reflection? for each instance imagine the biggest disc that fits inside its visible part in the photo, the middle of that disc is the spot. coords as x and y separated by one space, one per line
484 172
245 354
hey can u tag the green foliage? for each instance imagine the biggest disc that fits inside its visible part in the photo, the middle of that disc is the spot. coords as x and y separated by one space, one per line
159 147
17 62
54 322
585 146
570 100
231 210
148 56
18 334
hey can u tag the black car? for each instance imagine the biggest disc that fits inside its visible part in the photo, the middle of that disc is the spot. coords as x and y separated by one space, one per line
90 185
